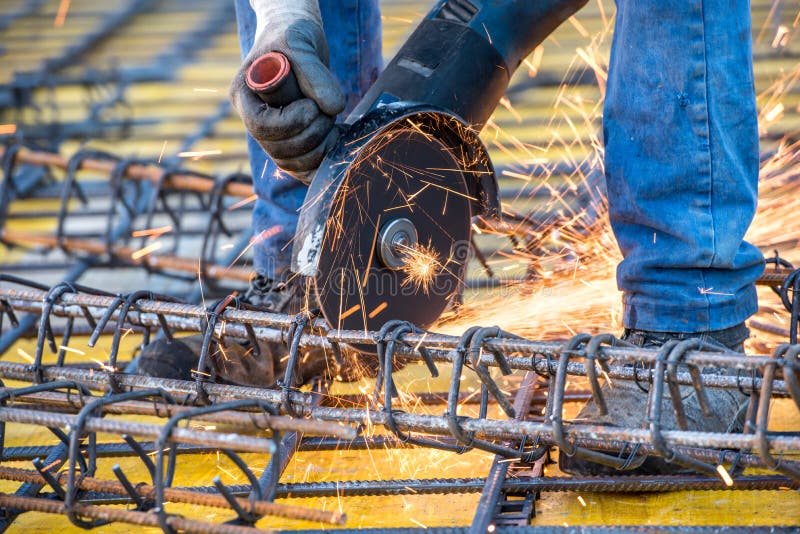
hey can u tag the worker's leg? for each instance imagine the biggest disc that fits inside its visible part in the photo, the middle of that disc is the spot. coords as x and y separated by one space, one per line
353 29
682 171
682 163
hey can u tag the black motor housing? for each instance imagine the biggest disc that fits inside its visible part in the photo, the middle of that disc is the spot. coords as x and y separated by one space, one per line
462 55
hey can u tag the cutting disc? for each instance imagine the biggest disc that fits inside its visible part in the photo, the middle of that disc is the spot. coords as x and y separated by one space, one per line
397 237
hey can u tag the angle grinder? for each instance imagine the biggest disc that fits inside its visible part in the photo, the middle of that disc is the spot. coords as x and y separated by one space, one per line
384 231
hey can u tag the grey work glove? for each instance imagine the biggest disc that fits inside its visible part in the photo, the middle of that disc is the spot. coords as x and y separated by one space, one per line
298 135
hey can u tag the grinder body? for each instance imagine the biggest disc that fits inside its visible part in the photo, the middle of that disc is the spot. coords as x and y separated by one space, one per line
462 55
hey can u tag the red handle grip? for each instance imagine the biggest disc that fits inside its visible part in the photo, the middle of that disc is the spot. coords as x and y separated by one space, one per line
271 78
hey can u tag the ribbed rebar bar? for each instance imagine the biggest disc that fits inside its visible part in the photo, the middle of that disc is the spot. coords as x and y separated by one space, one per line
127 254
105 513
521 485
521 354
183 495
252 420
186 182
600 437
179 435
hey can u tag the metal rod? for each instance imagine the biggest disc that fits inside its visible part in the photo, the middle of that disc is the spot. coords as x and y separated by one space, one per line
179 435
493 488
185 316
185 181
128 255
600 437
183 495
105 513
243 419
522 485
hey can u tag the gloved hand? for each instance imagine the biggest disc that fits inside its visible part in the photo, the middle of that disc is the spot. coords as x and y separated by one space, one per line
298 135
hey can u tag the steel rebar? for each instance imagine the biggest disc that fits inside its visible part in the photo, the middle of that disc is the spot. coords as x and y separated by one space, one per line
105 513
182 495
253 420
179 435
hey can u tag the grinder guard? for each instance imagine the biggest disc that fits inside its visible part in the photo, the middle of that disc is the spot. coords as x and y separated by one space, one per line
441 87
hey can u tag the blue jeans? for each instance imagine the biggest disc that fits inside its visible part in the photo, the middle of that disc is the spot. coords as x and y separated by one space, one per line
682 163
353 29
681 155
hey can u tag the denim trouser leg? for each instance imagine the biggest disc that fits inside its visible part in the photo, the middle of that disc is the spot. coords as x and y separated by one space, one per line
353 29
682 162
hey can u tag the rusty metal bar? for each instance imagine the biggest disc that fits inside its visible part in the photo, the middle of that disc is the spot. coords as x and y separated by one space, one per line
105 513
128 255
182 495
179 435
601 437
187 182
251 420
538 356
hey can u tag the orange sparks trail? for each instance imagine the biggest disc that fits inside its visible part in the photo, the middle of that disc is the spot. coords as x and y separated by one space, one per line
149 249
61 14
8 129
422 264
197 154
243 202
152 232
264 234
569 251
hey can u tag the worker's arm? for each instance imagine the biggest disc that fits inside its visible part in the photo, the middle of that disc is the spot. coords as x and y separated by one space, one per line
298 135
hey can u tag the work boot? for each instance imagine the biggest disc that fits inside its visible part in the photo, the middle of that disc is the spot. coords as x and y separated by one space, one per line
238 363
627 405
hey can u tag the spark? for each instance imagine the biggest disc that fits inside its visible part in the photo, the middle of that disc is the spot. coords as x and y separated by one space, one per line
197 154
144 251
506 103
7 129
371 253
519 175
61 14
161 154
488 36
204 90
70 349
378 309
774 112
710 291
535 61
152 232
258 238
231 475
243 202
449 190
725 476
350 311
580 500
103 366
25 355
421 525
422 264
781 37
578 26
